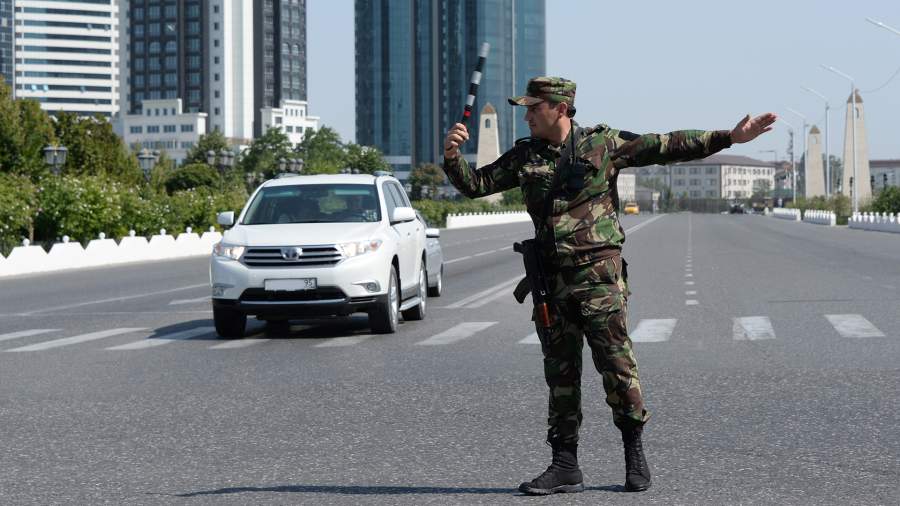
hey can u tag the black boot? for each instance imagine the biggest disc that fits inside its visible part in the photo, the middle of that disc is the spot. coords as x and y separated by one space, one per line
562 476
637 472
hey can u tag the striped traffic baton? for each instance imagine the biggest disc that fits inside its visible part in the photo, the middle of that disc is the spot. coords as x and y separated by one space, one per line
476 79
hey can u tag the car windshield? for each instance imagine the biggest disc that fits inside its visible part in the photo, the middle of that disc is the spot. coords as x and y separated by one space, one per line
314 203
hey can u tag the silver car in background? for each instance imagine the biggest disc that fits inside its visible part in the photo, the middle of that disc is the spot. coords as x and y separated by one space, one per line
434 258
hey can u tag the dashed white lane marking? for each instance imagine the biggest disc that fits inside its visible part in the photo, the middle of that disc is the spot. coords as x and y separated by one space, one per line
643 224
753 328
689 283
25 333
66 341
691 302
531 339
152 342
115 299
343 341
457 333
484 293
238 343
653 331
460 259
853 326
189 301
688 275
690 292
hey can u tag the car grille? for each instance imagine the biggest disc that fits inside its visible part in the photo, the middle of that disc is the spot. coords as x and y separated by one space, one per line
312 256
323 293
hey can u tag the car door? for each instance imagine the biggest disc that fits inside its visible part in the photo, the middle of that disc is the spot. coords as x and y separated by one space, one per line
405 240
418 233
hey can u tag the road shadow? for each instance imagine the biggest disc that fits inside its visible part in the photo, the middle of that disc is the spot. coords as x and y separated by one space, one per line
295 329
377 490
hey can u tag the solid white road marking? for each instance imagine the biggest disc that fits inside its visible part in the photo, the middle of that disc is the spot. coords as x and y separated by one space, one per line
83 338
752 328
653 331
643 224
343 341
189 301
457 333
115 299
238 343
152 342
460 259
25 333
484 293
853 325
531 339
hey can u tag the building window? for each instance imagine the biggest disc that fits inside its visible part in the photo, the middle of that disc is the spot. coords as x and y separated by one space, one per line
216 76
679 182
153 129
695 170
169 129
216 43
216 93
216 111
136 129
187 128
695 182
289 129
711 170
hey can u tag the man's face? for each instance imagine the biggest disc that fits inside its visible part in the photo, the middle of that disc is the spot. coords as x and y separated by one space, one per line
541 119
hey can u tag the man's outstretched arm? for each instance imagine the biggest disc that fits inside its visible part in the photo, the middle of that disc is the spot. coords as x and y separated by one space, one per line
638 150
492 178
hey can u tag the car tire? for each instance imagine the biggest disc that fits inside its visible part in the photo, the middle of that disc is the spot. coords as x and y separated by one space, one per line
417 312
230 324
435 291
385 318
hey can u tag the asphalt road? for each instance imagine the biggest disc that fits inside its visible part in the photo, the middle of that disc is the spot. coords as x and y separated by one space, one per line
769 352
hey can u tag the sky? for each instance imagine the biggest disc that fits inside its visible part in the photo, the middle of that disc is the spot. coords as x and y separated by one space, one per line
658 66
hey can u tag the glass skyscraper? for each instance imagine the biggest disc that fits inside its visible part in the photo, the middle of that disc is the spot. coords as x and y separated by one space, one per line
414 59
7 36
279 45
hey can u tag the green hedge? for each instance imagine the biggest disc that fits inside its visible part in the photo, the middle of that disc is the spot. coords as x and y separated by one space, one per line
436 211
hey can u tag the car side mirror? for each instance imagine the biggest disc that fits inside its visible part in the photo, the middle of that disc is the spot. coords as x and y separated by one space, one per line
403 214
432 233
226 219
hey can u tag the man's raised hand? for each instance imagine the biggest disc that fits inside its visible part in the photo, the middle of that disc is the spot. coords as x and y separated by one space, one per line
748 129
456 136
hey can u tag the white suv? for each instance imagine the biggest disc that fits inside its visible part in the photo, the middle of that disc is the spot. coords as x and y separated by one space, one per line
319 246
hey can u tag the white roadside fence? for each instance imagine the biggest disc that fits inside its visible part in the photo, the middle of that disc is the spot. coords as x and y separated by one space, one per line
481 219
820 217
27 259
786 214
882 222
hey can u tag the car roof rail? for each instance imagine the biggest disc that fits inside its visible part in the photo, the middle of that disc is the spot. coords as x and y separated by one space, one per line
378 173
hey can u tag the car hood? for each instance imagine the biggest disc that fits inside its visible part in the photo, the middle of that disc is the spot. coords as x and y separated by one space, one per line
298 234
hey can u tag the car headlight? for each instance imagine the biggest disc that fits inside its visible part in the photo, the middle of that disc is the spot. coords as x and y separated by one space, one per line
352 249
229 251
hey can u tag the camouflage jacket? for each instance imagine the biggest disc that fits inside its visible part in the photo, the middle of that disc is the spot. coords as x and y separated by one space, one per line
584 227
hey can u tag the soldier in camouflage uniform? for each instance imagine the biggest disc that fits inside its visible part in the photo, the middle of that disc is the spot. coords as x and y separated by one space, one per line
581 242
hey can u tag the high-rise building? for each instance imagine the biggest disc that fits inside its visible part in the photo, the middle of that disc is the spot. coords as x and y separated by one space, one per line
66 54
279 52
7 44
414 59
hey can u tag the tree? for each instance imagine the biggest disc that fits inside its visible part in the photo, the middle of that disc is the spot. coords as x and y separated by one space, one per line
94 149
25 129
888 200
212 141
265 152
322 152
425 180
513 197
192 175
365 159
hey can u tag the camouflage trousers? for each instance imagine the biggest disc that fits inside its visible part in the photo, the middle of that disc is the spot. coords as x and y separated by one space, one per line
590 303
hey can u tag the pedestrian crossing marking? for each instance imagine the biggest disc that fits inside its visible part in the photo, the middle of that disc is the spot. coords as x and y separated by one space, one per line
691 302
457 333
689 283
653 330
343 341
853 326
238 343
531 339
189 301
25 333
83 338
753 328
152 342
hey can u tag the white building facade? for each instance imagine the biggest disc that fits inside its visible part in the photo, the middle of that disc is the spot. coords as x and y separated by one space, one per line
67 55
720 177
230 61
291 118
163 126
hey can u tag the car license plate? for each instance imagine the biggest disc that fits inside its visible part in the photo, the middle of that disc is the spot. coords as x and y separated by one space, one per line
290 285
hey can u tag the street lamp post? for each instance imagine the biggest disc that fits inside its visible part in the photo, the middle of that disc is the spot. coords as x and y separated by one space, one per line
853 129
827 154
805 154
147 160
55 157
793 167
223 160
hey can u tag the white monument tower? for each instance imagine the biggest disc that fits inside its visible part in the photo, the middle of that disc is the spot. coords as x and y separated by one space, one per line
862 153
814 176
488 143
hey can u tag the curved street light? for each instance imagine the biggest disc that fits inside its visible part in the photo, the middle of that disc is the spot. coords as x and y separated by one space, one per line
147 160
853 129
55 157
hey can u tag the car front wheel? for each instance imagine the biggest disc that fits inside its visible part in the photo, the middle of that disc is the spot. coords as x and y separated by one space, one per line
230 324
385 318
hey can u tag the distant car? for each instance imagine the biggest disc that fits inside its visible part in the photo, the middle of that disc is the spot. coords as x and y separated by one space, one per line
632 208
434 258
737 209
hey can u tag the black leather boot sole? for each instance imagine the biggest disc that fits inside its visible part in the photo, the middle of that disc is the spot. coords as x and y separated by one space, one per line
636 488
527 488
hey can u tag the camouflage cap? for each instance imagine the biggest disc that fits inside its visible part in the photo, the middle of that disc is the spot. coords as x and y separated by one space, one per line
555 89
